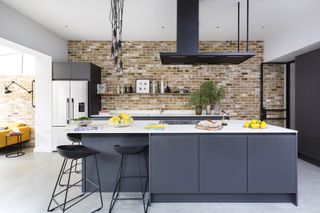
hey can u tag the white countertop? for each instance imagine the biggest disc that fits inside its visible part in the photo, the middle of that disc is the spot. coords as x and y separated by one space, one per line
234 127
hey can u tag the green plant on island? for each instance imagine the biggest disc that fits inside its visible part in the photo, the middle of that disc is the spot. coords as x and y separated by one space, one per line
196 99
211 92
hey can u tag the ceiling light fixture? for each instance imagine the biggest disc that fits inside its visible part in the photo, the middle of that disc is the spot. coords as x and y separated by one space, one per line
116 18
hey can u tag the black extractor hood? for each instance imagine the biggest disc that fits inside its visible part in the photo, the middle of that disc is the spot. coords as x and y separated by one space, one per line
188 40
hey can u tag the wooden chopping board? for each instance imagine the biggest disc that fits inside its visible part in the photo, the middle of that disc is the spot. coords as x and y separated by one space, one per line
208 128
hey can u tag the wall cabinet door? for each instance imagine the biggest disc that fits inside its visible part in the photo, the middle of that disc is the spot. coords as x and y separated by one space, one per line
80 71
174 163
223 164
272 161
61 71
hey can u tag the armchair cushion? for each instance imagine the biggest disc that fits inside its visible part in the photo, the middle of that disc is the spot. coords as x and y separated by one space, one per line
24 129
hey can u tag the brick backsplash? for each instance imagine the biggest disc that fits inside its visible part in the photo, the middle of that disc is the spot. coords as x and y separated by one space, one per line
141 61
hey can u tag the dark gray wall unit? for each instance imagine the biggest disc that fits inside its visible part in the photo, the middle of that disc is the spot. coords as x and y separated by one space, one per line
94 97
308 103
174 163
272 164
61 71
223 164
81 71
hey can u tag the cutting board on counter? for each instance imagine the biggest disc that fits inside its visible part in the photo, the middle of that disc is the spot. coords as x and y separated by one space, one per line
208 128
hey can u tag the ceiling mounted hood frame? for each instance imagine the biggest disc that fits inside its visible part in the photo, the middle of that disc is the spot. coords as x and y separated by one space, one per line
188 40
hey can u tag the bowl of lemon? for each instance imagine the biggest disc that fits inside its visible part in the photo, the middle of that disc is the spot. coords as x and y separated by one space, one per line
122 120
255 124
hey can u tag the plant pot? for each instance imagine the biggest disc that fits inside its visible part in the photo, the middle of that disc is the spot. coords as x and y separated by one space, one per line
217 108
208 109
198 110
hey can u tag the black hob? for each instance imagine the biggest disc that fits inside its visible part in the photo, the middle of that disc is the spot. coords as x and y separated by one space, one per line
179 122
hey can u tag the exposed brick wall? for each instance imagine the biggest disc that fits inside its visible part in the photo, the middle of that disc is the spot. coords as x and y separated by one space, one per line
16 106
141 61
273 92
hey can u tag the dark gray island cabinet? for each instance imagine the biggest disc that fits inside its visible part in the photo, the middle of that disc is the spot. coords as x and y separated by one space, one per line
186 164
223 168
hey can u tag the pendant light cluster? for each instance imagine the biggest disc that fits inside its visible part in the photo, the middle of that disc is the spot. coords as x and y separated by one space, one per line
116 17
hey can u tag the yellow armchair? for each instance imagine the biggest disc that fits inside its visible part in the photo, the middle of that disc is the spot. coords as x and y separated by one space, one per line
24 129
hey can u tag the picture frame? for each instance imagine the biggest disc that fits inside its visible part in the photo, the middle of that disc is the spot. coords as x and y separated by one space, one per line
143 86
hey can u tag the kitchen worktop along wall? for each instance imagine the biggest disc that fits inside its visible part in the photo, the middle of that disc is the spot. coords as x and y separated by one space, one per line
141 61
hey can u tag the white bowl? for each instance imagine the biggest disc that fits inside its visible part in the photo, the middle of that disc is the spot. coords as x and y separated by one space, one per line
82 122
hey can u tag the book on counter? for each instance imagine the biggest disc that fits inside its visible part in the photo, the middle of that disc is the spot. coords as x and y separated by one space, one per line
86 128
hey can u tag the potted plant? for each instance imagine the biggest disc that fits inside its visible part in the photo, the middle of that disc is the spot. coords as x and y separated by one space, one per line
218 95
196 99
208 89
212 95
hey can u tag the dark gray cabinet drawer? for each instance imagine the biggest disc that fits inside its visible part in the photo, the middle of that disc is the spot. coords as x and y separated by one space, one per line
272 164
80 71
223 163
174 164
61 71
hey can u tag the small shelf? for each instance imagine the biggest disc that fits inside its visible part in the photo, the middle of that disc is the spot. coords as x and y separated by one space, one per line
146 94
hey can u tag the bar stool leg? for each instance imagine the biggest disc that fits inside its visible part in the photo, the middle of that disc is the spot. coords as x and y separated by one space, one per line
67 189
147 181
98 175
116 190
143 188
57 182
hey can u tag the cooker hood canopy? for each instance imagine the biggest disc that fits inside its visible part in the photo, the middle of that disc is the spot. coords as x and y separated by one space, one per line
188 40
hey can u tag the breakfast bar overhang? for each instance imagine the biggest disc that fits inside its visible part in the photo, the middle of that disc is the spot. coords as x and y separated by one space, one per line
186 164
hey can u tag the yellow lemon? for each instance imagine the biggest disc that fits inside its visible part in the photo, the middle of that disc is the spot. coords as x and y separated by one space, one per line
263 125
124 116
255 126
247 124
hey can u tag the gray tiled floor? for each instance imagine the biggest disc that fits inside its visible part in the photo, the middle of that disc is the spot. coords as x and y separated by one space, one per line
26 184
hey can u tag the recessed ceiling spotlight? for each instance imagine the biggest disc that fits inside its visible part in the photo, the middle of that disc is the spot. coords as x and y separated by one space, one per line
162 27
218 27
66 26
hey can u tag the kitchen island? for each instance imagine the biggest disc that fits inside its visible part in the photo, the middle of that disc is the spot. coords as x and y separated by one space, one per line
186 164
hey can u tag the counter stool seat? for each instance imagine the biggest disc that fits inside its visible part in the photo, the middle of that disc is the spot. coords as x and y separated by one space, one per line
125 151
129 150
73 153
74 137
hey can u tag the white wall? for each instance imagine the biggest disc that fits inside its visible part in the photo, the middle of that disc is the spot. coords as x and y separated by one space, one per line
43 96
300 37
20 29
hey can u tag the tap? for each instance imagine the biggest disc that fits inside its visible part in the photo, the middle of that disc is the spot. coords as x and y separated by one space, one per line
161 111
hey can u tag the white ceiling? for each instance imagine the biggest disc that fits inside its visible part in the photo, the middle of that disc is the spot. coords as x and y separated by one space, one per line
144 19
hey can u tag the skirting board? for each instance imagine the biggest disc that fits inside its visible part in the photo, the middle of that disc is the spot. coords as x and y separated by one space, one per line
234 198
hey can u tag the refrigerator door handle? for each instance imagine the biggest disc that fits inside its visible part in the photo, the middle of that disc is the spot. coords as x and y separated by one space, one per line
68 111
72 100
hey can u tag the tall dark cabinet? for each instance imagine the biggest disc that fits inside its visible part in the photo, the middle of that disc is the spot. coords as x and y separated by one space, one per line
76 71
308 104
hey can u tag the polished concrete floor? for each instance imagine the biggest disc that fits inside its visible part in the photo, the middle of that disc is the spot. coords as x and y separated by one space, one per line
26 185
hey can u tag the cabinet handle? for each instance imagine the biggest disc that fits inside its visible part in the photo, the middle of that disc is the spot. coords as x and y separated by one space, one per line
72 100
68 111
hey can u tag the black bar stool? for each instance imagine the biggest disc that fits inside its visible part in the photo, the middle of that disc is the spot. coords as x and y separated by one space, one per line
125 151
73 153
75 138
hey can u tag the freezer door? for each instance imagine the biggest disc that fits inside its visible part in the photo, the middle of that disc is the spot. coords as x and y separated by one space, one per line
61 103
59 137
79 99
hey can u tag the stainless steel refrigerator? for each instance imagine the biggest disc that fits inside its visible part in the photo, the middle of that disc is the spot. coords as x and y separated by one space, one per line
70 100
